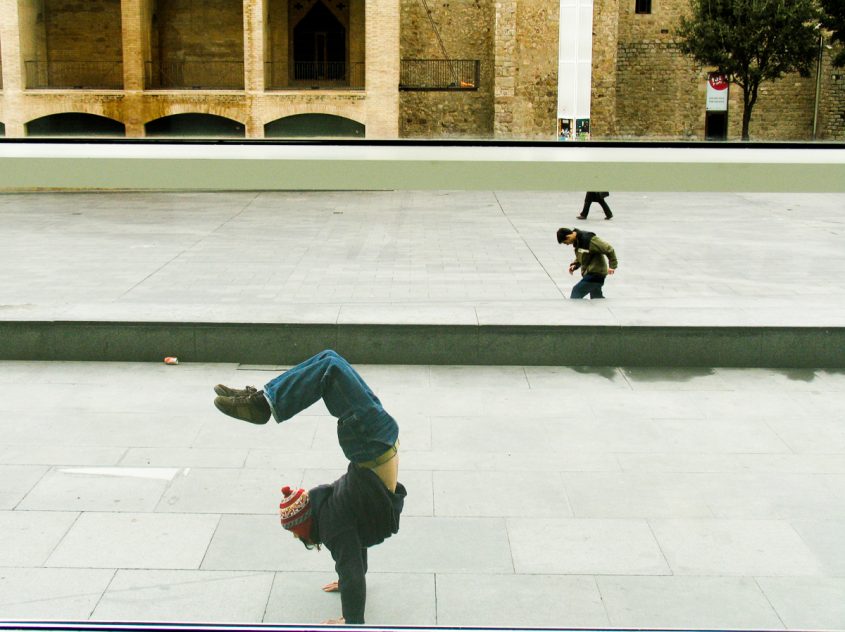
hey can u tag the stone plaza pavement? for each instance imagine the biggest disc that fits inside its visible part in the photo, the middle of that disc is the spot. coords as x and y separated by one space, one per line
432 257
538 496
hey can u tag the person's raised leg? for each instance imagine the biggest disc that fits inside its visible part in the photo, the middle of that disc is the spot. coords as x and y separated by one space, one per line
326 375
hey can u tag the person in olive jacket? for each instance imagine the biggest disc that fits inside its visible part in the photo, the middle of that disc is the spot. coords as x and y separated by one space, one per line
591 256
362 507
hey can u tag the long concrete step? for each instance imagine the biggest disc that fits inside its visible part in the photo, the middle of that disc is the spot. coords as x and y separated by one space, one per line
289 343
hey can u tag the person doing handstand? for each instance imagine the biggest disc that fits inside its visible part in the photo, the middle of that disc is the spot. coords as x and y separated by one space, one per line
362 507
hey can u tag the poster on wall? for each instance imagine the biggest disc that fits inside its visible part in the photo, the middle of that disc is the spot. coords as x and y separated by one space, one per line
717 92
582 129
564 129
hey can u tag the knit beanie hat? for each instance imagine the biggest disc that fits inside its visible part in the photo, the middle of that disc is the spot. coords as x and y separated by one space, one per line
295 510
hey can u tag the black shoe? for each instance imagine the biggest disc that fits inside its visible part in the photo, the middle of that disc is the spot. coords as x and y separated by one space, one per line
225 391
252 408
608 216
580 217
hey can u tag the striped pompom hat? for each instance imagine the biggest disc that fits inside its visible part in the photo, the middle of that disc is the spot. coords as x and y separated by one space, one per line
295 510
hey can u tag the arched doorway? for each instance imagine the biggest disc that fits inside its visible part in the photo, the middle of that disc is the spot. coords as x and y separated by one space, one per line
313 125
75 124
319 46
206 125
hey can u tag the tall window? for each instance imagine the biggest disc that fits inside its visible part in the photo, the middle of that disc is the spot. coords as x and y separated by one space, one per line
643 6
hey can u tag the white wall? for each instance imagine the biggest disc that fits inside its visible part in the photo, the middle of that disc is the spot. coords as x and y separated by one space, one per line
575 59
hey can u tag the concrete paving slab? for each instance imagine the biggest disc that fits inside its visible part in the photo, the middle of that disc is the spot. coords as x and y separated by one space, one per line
447 545
51 593
775 495
807 602
820 435
406 314
202 596
391 598
135 540
485 377
185 457
225 491
724 463
734 547
823 538
562 377
559 461
258 543
97 489
585 547
16 481
83 428
30 536
225 431
60 455
661 379
285 459
490 494
627 495
718 603
533 601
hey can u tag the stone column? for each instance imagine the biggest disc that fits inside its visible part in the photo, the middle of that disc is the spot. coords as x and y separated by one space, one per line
381 23
13 69
136 22
255 18
605 47
356 38
504 49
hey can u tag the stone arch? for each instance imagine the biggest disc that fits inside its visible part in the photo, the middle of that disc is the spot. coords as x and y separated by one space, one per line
75 124
195 124
314 125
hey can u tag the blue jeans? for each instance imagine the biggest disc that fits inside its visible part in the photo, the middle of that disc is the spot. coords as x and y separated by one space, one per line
364 429
590 284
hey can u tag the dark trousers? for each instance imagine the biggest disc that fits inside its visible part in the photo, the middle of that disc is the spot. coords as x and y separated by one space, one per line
596 196
590 284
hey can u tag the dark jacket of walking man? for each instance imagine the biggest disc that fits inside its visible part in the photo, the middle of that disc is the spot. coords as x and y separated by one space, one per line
591 256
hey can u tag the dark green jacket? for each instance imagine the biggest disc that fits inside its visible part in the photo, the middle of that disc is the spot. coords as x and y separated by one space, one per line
592 254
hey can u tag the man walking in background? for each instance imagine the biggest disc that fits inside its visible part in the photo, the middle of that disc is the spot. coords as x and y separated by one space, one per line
595 196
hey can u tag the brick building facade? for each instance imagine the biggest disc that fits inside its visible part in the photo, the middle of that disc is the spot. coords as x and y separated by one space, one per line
365 68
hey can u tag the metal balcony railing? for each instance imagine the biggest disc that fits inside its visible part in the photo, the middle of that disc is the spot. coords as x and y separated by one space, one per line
74 75
298 75
439 74
195 75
